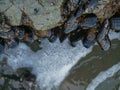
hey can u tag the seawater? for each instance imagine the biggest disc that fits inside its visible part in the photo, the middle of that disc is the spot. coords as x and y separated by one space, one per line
51 64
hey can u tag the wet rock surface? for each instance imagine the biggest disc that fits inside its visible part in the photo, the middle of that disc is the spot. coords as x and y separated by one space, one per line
20 79
107 8
102 8
43 14
86 20
78 18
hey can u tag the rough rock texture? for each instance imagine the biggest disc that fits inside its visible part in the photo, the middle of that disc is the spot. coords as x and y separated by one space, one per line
103 8
44 14
106 10
20 79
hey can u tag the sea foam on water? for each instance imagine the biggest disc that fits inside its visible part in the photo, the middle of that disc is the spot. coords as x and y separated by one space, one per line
51 64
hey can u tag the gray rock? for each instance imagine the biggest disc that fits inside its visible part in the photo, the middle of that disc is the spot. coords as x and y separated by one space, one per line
103 8
14 15
4 5
10 78
44 14
107 8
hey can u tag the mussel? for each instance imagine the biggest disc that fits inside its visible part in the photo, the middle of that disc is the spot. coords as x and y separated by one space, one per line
11 34
28 34
28 38
62 36
72 23
105 27
75 36
53 34
5 31
52 38
87 21
3 19
91 6
105 43
102 37
19 32
115 22
2 45
73 4
7 35
5 28
25 20
3 34
12 43
90 37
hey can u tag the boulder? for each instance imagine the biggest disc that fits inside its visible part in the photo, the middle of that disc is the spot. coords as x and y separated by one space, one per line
104 9
44 14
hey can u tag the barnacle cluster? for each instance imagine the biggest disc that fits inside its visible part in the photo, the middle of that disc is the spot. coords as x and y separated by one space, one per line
80 23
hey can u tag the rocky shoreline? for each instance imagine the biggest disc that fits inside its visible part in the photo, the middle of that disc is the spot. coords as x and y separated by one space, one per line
80 20
29 21
20 79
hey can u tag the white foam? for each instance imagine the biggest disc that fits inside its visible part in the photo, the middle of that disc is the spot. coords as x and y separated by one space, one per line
114 35
103 76
51 64
108 73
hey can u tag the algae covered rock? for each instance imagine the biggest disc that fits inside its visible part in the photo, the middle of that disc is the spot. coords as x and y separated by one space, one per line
43 14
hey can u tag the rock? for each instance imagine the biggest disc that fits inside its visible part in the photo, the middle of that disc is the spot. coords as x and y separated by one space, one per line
44 14
15 17
107 9
34 46
103 8
4 5
20 79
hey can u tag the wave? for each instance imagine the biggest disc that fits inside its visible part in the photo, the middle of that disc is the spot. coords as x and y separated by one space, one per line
51 64
108 73
103 76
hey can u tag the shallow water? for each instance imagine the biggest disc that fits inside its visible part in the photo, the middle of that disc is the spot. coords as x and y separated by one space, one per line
97 71
53 63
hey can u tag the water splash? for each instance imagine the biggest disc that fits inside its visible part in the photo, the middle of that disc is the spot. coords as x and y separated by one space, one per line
103 76
51 64
108 73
